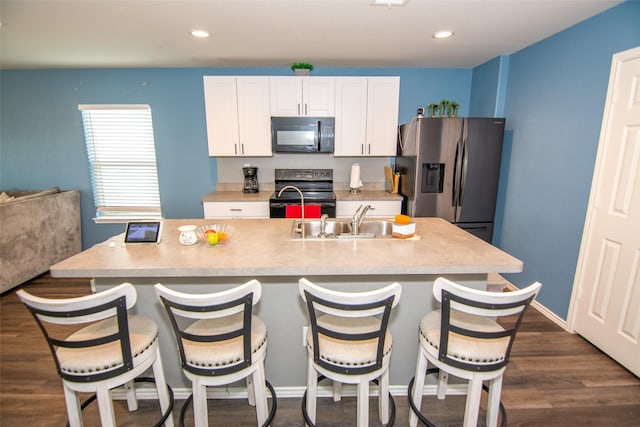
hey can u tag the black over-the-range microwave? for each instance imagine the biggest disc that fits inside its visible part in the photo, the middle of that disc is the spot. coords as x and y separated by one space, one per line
302 134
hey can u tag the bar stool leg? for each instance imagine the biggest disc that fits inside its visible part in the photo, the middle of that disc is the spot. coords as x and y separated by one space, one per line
337 391
418 386
73 406
383 397
130 391
472 405
493 405
363 402
260 391
312 390
251 391
105 406
161 387
200 416
443 381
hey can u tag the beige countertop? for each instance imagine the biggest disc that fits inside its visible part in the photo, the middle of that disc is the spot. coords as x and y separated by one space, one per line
262 247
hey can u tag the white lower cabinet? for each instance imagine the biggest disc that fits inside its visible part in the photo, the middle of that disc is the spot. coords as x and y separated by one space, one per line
236 210
379 208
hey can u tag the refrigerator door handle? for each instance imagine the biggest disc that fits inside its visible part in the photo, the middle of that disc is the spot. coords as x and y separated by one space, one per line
454 183
463 172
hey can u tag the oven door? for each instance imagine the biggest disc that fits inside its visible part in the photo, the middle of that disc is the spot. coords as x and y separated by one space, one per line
279 209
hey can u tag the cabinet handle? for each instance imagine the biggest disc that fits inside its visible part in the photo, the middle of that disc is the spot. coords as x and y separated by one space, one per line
298 108
242 146
235 209
306 113
235 149
369 149
362 149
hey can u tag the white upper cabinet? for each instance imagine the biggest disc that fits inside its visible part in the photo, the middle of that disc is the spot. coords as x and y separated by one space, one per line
238 116
302 96
366 116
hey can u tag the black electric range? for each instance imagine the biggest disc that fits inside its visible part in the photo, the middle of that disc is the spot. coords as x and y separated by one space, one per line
316 185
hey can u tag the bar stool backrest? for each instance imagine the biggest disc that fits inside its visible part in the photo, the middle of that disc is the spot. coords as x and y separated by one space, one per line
455 297
325 304
184 309
112 303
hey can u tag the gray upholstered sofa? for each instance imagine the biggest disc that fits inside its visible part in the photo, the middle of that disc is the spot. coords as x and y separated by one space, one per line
37 230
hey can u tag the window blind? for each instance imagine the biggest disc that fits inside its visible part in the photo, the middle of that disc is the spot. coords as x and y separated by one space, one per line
122 161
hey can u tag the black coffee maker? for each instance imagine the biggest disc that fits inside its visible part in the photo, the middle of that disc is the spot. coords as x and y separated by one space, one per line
250 179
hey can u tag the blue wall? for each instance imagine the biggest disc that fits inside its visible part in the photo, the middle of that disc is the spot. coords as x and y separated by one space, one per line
551 93
554 104
42 142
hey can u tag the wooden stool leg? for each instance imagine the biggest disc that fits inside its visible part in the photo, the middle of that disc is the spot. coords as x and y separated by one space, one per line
363 402
443 382
418 385
260 391
105 406
337 391
161 387
312 390
472 406
493 404
200 416
251 395
383 397
73 407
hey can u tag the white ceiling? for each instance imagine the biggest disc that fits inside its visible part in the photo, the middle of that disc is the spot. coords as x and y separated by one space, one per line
275 33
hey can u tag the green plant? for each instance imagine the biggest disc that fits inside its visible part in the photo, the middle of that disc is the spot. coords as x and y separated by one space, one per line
433 109
452 109
302 65
444 104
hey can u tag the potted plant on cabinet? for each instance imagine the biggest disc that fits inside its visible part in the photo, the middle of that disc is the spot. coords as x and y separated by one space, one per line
301 68
433 110
452 109
444 104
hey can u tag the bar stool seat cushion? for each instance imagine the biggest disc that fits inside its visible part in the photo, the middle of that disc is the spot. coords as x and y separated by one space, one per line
143 332
349 353
461 347
222 353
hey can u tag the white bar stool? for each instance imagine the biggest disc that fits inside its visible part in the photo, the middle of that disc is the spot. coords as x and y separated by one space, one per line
349 342
220 342
463 339
111 351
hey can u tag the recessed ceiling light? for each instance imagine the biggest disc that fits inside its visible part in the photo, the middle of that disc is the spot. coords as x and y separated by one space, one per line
389 2
442 34
201 34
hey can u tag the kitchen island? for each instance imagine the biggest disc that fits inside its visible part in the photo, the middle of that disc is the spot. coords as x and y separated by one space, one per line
263 249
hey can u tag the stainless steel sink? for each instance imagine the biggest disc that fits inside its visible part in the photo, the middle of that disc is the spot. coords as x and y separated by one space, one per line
340 229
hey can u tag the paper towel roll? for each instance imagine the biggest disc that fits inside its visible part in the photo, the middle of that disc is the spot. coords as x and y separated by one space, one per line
355 181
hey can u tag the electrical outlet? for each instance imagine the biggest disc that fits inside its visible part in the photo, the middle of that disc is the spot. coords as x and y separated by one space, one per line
305 331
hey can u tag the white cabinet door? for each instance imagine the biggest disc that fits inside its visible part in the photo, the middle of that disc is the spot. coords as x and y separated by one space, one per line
351 116
237 115
236 209
302 96
366 116
379 208
383 95
254 121
221 110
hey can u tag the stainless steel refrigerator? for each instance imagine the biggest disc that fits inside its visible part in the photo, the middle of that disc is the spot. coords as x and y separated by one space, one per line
450 168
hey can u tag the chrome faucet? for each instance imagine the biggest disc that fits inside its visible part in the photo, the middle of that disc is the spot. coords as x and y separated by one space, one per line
323 221
293 187
356 221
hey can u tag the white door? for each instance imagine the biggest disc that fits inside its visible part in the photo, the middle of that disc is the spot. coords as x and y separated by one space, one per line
605 306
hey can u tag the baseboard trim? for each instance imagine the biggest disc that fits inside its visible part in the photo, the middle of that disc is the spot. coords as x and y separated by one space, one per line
545 311
181 393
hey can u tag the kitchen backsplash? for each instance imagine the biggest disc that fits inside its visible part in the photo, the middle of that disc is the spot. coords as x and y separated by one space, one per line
371 168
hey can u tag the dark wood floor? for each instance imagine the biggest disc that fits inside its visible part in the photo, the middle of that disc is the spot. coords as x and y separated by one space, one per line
554 379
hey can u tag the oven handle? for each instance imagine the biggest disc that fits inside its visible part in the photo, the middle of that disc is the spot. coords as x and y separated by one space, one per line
319 135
